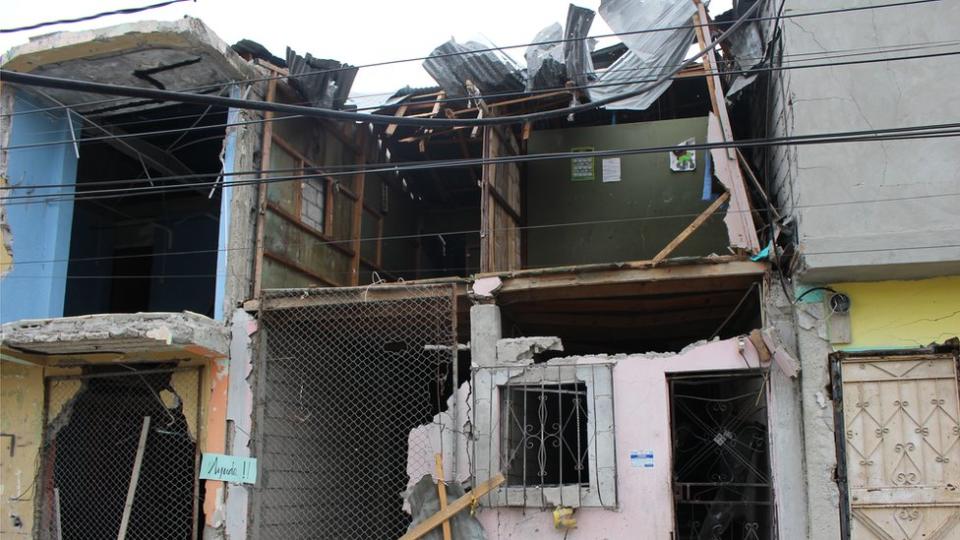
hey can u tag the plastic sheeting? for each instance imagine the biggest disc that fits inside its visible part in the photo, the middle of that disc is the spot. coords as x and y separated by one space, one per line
650 54
490 72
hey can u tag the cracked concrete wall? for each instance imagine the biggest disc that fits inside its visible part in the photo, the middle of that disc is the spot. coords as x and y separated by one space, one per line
864 240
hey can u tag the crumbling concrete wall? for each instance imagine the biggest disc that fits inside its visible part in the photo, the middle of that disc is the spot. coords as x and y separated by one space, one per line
238 211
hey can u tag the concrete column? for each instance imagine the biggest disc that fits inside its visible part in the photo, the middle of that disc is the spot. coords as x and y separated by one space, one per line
823 495
485 330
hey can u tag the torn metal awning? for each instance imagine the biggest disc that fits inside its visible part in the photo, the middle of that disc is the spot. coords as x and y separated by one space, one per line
171 55
135 337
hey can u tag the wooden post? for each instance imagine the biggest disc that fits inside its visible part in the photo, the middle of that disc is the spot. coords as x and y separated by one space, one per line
134 478
56 513
717 98
442 495
265 144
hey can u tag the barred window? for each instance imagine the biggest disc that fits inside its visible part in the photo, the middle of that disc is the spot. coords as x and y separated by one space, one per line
545 433
549 428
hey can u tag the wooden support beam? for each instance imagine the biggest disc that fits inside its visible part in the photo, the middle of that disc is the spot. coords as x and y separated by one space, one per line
455 507
359 182
684 234
442 495
134 479
505 204
717 97
393 127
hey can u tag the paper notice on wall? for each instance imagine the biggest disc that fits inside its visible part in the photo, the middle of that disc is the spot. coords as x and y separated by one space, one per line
237 470
611 169
641 459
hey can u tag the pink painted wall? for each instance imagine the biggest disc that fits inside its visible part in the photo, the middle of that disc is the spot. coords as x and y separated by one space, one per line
642 412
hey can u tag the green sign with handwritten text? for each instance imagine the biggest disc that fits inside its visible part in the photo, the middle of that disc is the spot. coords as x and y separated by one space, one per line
238 470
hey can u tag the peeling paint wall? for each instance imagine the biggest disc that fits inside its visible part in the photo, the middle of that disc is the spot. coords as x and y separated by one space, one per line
36 235
21 403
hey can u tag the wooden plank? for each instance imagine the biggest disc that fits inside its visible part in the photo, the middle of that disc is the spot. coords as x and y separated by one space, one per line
442 496
455 507
300 268
265 143
393 127
684 234
134 479
717 98
360 180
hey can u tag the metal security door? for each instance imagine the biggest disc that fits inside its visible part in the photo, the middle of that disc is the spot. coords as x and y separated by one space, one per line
901 431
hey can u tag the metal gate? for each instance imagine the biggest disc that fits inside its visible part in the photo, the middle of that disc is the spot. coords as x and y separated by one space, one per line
120 453
343 375
900 423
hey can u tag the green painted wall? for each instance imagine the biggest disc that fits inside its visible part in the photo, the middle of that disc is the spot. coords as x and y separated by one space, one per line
648 189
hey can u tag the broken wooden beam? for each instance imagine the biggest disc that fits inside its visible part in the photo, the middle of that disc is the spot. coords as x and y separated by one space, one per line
455 507
684 234
442 495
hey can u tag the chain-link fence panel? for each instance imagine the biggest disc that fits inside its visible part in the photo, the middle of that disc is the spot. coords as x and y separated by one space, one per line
343 376
97 425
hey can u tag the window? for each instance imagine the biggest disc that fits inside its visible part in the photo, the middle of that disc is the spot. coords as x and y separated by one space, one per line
549 429
545 434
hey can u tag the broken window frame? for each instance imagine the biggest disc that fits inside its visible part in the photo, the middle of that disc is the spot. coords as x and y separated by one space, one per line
335 190
491 386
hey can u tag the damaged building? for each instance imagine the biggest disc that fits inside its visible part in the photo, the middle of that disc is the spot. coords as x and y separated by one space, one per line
588 324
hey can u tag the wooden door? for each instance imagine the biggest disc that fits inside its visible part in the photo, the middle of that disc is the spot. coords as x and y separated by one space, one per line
901 422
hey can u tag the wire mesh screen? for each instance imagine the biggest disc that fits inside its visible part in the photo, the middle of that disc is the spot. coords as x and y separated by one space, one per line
344 375
95 423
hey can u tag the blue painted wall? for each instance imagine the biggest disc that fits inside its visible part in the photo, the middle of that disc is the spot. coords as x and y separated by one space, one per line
40 230
226 198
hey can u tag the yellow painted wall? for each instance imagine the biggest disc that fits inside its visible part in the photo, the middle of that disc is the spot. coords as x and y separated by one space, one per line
21 413
902 314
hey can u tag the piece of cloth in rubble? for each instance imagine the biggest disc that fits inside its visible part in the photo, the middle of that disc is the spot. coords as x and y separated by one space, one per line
425 502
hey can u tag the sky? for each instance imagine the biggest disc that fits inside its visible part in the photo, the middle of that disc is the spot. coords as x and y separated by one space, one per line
353 31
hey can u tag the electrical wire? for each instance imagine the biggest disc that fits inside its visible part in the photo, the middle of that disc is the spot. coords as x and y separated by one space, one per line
502 229
744 18
899 133
951 130
299 116
820 55
125 11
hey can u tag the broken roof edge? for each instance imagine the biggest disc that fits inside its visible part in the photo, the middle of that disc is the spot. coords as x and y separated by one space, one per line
69 45
128 336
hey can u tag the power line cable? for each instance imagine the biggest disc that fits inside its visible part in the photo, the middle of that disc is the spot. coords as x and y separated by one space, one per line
820 55
744 18
899 133
473 231
756 70
125 11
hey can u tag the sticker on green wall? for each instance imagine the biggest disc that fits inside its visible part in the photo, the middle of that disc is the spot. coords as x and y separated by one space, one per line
583 168
684 160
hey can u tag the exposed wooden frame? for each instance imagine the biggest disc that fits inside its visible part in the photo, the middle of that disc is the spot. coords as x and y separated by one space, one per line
454 508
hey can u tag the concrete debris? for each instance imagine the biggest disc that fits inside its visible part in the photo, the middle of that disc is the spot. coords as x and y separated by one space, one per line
521 351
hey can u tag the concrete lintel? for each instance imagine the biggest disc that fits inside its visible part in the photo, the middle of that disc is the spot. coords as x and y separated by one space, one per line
118 337
520 351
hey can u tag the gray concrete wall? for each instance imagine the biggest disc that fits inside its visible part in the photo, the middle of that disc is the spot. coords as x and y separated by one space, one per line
828 188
